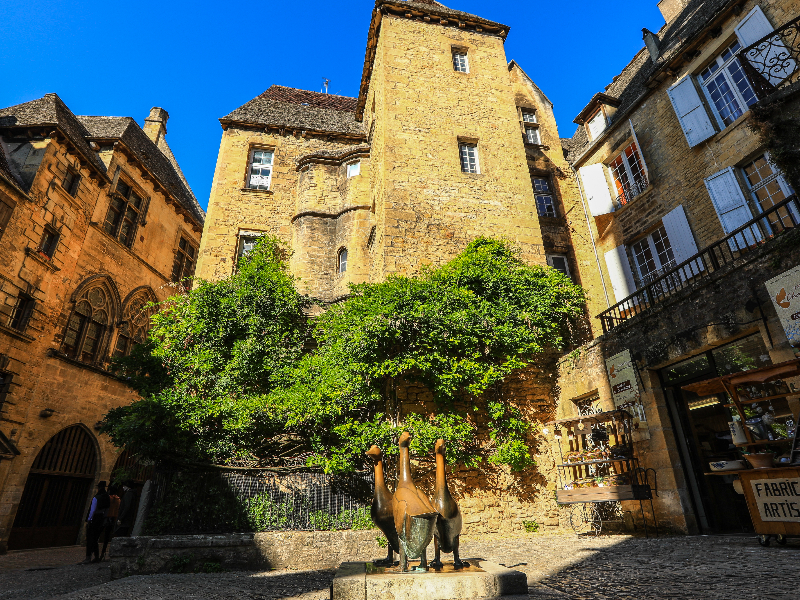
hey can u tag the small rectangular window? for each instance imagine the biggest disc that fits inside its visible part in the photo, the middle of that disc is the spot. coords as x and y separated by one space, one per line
354 169
559 262
545 205
469 158
532 135
528 116
49 242
260 176
597 125
460 64
246 244
22 312
342 260
122 217
629 175
70 182
185 259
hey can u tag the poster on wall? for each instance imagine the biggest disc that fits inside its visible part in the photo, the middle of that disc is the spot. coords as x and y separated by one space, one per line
625 392
785 293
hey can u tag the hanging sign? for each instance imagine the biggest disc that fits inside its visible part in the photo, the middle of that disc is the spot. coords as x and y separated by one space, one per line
785 293
625 392
777 499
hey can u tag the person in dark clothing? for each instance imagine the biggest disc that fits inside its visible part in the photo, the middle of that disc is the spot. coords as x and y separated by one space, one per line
127 511
111 518
95 521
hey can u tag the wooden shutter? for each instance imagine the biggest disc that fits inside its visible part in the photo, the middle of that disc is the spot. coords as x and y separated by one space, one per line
752 28
682 241
641 153
596 186
619 270
691 112
731 206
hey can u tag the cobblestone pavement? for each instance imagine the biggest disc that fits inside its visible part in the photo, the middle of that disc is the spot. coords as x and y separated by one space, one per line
559 567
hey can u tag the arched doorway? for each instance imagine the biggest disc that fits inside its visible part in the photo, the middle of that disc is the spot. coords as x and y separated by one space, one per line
59 483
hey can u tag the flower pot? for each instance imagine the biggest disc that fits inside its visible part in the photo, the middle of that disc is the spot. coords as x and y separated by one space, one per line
762 460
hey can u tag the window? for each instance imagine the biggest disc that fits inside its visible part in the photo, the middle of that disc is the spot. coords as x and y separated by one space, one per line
22 312
49 242
460 64
544 197
246 243
342 260
726 86
71 181
123 213
6 208
87 325
260 176
469 158
768 188
559 262
629 176
653 256
597 124
532 135
528 115
135 323
185 259
354 169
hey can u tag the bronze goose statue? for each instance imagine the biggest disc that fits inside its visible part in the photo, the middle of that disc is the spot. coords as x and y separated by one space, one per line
414 516
448 524
382 510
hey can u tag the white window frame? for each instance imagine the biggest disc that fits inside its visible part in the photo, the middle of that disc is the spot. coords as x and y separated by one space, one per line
550 261
661 266
354 169
468 151
460 60
240 251
635 186
529 115
723 69
341 265
271 164
591 124
543 192
532 136
777 175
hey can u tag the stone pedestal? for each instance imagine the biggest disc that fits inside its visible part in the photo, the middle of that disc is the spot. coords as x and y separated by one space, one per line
364 581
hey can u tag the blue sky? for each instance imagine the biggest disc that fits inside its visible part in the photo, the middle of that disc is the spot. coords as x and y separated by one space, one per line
200 60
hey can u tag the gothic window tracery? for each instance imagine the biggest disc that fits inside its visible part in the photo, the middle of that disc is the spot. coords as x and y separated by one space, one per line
88 325
135 322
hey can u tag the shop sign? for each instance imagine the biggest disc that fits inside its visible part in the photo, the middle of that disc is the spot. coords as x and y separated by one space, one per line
785 293
625 392
777 499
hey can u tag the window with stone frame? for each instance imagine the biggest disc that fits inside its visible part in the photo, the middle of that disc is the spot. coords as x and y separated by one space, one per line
460 60
353 169
532 136
342 260
768 187
6 209
528 115
468 153
135 323
49 242
124 211
629 175
259 170
559 262
71 181
725 84
87 326
545 203
23 309
185 260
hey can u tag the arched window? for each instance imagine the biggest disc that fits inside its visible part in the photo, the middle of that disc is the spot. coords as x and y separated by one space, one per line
135 321
88 327
342 260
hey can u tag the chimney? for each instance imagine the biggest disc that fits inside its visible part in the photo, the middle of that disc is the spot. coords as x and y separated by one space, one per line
651 41
672 8
155 126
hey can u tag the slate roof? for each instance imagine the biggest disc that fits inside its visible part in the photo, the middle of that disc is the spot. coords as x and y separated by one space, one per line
299 109
127 130
630 84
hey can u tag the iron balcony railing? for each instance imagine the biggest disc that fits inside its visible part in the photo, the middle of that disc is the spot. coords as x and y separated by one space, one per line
771 61
750 236
631 190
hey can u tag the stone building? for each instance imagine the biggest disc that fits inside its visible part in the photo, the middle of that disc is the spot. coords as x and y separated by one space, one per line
446 141
682 187
96 221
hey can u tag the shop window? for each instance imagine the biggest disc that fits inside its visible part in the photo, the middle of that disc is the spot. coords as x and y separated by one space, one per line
460 62
545 204
653 256
559 262
123 214
629 175
185 260
23 309
354 169
71 182
259 175
49 242
6 208
768 188
727 87
342 260
742 355
469 157
87 326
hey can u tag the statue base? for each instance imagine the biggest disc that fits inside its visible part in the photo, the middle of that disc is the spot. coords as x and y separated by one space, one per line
482 579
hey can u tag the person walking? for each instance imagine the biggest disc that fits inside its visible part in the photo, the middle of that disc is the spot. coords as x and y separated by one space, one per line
127 511
111 519
95 520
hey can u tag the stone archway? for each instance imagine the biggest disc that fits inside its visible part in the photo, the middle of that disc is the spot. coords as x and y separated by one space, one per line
58 486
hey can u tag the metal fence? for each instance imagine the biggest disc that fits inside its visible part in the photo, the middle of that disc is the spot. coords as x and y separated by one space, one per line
752 235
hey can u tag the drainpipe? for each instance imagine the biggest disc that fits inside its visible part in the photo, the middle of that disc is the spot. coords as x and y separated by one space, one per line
591 235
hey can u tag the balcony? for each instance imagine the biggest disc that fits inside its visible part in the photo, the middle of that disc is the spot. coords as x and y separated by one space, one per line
630 190
771 62
661 287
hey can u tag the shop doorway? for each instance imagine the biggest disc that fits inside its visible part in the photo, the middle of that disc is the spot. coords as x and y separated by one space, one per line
703 435
56 491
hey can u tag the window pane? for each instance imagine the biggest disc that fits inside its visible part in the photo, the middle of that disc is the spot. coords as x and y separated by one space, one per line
742 83
123 188
644 259
532 135
343 260
541 185
559 263
460 61
545 207
663 248
123 345
91 341
135 200
528 116
597 125
113 216
72 333
469 158
354 169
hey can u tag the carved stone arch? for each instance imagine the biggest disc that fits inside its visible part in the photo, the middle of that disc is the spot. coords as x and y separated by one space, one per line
102 280
96 308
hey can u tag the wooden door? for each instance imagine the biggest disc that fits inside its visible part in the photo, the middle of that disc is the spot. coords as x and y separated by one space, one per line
58 486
